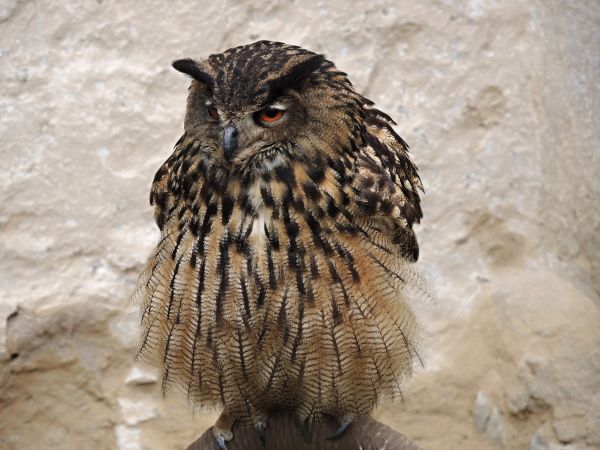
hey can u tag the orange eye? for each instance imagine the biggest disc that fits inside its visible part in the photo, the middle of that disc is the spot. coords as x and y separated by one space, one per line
269 115
212 112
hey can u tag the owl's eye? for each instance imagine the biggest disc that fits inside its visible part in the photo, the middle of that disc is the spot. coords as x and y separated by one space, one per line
212 112
269 116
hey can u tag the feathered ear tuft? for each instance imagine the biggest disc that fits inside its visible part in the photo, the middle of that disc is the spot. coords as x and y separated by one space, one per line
191 68
295 75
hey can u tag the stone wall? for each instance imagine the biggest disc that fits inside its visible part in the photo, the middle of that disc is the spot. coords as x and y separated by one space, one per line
500 103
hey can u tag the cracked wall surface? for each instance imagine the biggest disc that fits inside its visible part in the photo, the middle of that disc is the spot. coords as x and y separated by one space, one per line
500 103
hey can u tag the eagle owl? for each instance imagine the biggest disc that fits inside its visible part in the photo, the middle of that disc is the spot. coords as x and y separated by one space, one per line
286 247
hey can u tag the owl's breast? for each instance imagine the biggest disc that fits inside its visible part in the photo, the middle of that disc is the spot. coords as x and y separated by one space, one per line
278 287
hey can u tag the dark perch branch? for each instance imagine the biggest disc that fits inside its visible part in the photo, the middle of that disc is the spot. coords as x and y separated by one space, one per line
284 433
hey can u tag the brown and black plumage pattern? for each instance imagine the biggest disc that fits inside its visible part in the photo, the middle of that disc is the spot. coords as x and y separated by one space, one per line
280 275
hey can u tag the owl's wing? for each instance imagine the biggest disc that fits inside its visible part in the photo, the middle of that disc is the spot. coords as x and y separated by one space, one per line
387 186
160 195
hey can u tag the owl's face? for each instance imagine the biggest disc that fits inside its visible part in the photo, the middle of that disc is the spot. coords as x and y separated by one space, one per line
255 107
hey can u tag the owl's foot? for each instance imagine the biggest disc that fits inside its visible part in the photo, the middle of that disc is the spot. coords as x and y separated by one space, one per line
221 439
344 424
305 431
260 425
223 429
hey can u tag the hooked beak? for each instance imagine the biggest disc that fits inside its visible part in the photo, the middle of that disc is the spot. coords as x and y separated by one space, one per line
230 141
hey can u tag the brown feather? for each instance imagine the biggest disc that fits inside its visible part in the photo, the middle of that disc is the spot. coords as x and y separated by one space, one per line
278 282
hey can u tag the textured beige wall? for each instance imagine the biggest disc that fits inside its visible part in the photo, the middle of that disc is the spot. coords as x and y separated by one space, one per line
500 102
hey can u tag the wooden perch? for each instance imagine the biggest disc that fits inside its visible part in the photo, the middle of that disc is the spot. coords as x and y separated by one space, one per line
284 433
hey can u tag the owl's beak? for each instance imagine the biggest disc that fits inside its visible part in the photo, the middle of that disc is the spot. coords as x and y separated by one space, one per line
230 141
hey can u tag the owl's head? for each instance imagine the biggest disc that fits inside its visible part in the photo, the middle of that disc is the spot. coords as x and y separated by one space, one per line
257 105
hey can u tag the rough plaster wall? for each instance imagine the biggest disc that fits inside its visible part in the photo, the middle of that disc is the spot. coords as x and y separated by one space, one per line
500 103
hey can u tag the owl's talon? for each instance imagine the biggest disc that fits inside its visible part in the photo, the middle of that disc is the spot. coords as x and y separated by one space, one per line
222 429
305 432
260 425
261 429
346 422
221 442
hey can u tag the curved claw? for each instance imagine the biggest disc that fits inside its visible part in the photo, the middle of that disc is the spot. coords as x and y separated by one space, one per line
346 422
305 431
221 441
223 429
261 429
260 425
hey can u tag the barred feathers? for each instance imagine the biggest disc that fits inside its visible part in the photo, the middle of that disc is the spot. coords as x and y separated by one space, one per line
284 288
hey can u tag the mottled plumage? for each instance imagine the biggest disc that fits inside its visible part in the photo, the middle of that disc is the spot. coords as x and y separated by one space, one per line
279 278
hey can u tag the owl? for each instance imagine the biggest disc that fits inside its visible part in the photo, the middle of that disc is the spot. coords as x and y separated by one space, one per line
282 275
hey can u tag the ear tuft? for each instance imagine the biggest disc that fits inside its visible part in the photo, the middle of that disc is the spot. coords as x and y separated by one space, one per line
297 73
190 68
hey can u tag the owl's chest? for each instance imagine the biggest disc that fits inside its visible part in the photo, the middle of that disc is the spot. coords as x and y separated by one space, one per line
294 228
275 217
